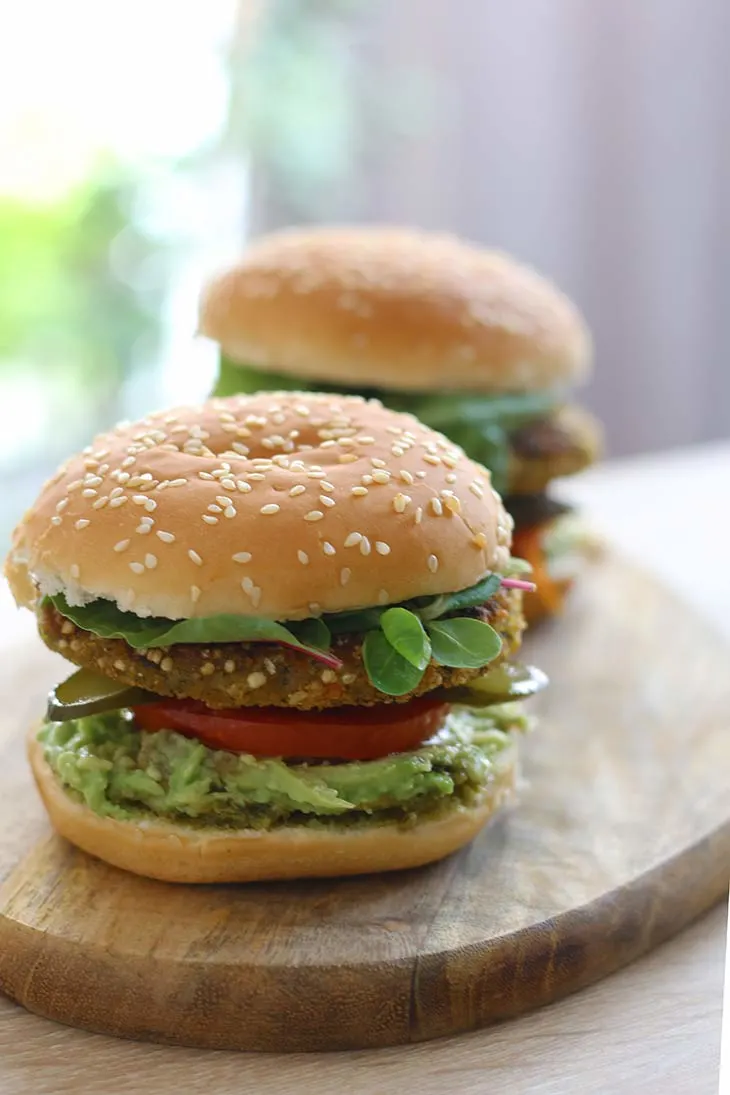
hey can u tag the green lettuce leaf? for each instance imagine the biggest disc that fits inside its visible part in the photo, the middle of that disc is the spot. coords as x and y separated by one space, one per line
464 643
103 618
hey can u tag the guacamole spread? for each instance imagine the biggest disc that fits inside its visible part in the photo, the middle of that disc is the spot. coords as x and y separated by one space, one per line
121 772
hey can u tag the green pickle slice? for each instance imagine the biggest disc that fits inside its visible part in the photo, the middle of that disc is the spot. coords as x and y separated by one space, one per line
88 693
503 684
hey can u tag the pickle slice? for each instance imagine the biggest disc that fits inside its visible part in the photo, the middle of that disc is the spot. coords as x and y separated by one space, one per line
88 693
503 684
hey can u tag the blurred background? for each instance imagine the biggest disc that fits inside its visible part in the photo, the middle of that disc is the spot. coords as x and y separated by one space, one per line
142 143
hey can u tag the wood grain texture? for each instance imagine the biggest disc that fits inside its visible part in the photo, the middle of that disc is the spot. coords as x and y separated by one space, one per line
622 837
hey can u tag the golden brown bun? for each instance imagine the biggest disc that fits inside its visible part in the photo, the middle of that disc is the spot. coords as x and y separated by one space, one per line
394 308
176 853
207 522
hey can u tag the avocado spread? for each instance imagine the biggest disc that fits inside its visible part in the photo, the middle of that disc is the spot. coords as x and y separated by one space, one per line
121 772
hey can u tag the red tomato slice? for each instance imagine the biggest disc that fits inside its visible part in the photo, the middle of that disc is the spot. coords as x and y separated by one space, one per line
345 733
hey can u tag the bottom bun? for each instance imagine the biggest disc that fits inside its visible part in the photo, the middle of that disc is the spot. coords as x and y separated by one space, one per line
175 852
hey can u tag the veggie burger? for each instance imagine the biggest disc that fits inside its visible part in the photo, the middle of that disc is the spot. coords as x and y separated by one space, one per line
473 343
293 615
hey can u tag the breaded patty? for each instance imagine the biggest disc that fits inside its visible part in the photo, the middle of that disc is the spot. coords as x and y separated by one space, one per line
562 444
259 674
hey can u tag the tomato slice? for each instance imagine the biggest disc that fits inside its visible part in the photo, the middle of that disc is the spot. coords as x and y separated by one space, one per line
549 596
343 733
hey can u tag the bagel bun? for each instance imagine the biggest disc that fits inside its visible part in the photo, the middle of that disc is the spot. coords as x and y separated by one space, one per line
181 853
278 505
394 308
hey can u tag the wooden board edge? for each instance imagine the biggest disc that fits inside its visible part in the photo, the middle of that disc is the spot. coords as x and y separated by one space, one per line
437 995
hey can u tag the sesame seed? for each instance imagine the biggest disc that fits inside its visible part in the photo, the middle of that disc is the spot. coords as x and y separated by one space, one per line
100 502
222 500
400 502
433 564
315 608
228 484
298 488
377 462
381 477
396 450
166 537
328 548
247 584
120 500
270 667
150 561
418 515
382 548
82 523
229 666
243 487
326 501
383 598
436 507
150 505
255 596
329 487
431 458
56 520
328 676
364 546
210 520
476 489
177 482
270 508
74 570
143 529
121 545
347 458
60 506
420 475
452 504
205 475
120 665
194 594
195 558
314 515
256 680
345 576
366 480
353 539
242 557
166 665
138 568
303 558
89 492
451 477
74 486
139 499
406 476
359 492
257 476
366 440
479 540
207 669
117 491
230 511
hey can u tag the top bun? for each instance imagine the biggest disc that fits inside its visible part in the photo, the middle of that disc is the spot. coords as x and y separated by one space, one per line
278 505
394 308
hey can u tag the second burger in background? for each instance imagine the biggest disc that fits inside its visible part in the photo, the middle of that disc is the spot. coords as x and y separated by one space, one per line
473 343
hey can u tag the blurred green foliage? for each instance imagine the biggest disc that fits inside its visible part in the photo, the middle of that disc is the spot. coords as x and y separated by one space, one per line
74 301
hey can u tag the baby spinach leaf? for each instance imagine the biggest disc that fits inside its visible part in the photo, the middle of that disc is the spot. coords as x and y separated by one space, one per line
465 598
404 631
463 643
388 670
103 618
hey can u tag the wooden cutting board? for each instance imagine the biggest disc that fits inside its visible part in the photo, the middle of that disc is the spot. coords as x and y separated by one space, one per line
622 836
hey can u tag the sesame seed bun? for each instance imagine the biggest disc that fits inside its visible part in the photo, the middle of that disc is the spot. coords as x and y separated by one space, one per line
394 308
278 505
181 853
